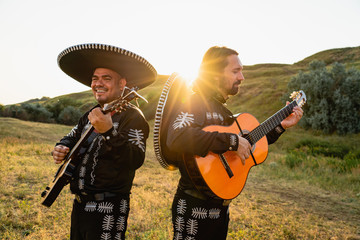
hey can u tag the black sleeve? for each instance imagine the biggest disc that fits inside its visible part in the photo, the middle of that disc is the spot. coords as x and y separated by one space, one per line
131 134
185 134
274 134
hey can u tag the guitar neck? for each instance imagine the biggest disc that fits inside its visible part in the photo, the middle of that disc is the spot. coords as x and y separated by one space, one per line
82 139
270 123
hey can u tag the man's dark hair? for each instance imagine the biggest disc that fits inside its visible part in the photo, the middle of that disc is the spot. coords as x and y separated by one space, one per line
212 65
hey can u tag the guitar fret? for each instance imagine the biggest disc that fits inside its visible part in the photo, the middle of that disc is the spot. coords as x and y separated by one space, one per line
270 123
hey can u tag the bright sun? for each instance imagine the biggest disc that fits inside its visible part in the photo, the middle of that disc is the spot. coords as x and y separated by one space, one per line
189 76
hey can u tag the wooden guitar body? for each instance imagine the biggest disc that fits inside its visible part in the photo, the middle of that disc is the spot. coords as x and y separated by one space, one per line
209 171
223 175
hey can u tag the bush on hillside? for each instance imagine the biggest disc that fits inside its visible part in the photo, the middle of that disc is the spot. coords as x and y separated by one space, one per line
28 112
69 116
2 108
57 107
36 113
333 97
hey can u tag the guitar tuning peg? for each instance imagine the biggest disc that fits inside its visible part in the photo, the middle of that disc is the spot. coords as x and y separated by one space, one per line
293 95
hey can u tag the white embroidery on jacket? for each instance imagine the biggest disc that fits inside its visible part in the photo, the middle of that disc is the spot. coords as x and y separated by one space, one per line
136 137
215 115
73 131
232 140
85 159
221 118
95 159
82 171
91 145
183 120
81 183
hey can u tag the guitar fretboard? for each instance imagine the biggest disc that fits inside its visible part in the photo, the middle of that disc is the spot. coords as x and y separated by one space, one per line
270 123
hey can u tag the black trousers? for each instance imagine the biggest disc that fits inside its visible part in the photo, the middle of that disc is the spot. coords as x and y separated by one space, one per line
198 219
97 220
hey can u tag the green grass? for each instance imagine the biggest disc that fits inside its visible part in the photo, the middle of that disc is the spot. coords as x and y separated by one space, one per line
306 201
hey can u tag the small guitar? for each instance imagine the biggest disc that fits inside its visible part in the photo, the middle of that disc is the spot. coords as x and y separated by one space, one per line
223 175
65 171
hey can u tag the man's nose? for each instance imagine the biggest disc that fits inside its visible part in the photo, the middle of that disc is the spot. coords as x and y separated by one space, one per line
241 76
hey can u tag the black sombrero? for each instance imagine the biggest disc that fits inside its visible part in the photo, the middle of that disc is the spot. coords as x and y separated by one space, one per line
80 61
174 93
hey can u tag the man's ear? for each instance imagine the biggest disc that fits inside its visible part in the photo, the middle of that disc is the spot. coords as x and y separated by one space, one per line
122 83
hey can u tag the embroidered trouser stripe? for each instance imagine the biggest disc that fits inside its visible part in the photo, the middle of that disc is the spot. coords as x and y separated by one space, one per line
196 219
100 220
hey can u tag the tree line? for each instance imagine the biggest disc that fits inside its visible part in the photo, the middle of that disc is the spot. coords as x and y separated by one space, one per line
63 111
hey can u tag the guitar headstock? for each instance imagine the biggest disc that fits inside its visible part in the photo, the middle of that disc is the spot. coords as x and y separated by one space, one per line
299 97
120 104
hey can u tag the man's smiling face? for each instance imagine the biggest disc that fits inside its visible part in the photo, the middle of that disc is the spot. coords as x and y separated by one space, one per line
106 85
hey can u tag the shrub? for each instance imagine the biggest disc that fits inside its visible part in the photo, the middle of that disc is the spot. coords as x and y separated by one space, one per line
36 113
2 108
57 107
333 97
69 116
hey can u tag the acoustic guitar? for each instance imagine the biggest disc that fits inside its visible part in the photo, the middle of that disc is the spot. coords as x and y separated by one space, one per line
65 172
223 175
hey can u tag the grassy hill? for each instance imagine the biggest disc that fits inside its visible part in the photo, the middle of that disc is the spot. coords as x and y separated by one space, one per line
260 93
292 195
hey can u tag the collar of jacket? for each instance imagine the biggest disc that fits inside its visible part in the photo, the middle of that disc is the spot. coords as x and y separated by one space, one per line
218 97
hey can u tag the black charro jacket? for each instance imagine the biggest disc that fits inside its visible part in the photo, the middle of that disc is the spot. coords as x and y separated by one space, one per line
108 161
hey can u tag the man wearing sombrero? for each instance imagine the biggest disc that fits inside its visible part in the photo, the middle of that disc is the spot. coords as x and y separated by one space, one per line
116 148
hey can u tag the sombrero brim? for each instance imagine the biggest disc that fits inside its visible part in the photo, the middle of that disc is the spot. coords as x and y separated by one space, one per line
174 92
80 61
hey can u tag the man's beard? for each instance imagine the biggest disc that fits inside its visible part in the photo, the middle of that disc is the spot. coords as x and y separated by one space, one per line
234 88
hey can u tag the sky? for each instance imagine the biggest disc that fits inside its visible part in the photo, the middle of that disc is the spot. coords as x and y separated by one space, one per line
172 35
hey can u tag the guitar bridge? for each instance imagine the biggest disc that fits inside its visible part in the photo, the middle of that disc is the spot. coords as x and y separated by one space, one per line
226 166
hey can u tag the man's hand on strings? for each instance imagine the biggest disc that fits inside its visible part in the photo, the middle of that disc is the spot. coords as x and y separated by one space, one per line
293 118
